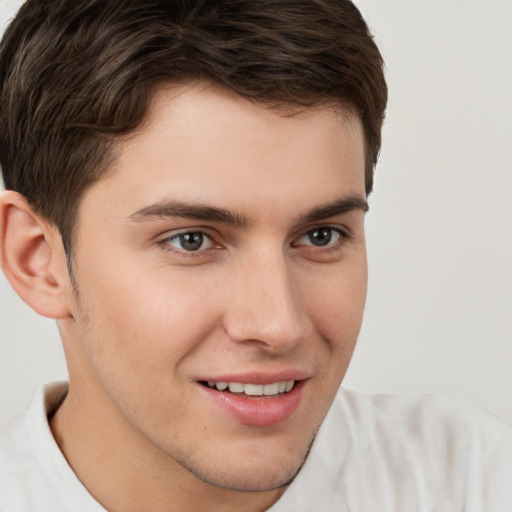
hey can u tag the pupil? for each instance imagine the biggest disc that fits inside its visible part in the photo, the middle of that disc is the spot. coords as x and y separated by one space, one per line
321 236
192 241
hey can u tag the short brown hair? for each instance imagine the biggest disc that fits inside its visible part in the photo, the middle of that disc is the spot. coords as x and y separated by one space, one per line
74 75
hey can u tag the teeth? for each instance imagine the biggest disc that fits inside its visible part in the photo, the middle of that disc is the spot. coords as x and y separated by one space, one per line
254 389
236 387
271 389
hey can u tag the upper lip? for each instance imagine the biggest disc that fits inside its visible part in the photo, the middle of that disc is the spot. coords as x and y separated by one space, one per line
258 377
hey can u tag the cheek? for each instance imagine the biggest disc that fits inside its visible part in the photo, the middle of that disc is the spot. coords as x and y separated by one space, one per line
137 345
153 320
337 302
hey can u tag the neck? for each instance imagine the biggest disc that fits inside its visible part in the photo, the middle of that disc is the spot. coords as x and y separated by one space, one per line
125 472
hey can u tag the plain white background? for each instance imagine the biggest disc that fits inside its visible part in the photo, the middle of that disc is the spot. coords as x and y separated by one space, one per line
439 311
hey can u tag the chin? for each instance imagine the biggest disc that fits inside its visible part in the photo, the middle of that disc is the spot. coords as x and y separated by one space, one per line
251 474
252 480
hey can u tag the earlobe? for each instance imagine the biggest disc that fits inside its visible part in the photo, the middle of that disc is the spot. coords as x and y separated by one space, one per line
32 257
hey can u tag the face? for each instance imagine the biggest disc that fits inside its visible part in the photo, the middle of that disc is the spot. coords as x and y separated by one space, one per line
221 275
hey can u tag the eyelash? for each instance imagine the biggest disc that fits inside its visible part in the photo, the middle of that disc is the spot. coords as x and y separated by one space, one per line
344 235
183 252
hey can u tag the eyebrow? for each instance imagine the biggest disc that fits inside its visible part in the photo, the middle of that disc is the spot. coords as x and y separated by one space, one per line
339 207
169 209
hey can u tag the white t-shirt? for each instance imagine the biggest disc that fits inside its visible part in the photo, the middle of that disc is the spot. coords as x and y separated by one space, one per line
375 453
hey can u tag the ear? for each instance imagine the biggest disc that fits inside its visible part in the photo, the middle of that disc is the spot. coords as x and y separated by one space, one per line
33 257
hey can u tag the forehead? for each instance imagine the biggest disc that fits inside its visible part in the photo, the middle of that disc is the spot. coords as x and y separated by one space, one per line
207 143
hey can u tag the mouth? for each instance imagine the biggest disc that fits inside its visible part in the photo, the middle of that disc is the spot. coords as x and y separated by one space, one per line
254 403
252 390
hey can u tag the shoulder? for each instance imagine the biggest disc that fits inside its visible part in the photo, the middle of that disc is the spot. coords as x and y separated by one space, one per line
445 451
387 407
383 452
34 475
428 420
20 476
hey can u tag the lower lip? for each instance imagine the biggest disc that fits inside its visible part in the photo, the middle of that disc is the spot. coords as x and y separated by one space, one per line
257 411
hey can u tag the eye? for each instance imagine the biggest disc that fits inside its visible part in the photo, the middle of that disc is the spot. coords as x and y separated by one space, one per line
189 241
320 237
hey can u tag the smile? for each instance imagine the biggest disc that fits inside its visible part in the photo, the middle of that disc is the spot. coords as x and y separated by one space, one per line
249 389
252 403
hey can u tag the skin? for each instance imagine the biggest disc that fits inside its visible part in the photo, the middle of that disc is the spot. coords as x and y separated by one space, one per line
145 319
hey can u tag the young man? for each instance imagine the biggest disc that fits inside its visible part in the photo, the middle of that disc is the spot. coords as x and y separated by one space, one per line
186 189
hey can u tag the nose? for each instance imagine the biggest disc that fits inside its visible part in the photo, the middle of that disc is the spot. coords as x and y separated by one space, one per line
266 306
